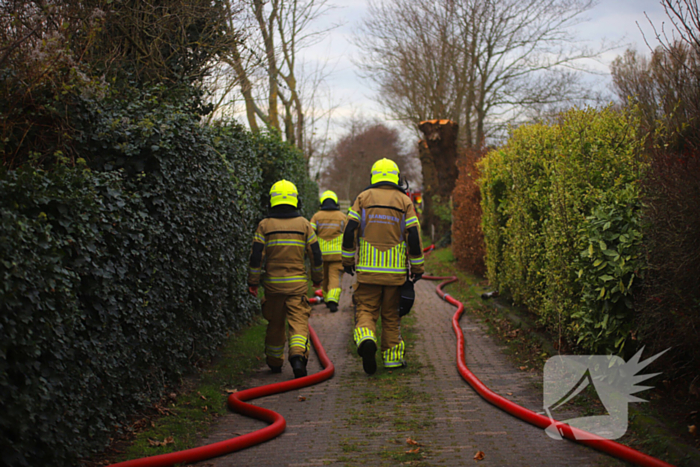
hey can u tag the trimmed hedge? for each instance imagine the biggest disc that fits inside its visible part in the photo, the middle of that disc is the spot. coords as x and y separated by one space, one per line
561 219
122 273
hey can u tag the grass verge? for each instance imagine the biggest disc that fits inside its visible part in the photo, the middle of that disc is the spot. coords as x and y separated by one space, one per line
181 419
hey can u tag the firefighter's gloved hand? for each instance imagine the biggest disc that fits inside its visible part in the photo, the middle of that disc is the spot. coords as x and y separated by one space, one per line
416 277
253 290
349 270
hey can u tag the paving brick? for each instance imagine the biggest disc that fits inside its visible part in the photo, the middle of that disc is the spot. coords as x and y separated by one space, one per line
338 425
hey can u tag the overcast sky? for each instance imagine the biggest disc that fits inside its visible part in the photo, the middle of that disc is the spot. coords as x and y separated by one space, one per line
610 20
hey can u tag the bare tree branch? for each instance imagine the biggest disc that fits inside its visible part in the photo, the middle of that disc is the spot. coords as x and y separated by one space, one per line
473 61
266 67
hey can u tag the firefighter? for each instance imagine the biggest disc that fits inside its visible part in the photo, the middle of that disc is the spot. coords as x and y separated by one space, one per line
279 244
389 252
329 223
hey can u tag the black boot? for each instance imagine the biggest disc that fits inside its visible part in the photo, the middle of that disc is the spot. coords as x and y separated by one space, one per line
275 369
298 363
366 350
332 306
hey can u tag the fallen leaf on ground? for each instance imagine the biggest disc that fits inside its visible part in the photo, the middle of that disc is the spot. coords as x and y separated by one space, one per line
413 451
693 430
479 455
302 398
201 396
509 393
231 391
162 410
523 368
412 442
165 442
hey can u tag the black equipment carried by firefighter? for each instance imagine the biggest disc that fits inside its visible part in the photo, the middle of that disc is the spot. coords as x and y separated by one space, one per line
408 296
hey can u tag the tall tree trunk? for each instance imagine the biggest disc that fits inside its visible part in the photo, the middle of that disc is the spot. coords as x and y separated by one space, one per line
430 181
267 28
438 155
246 89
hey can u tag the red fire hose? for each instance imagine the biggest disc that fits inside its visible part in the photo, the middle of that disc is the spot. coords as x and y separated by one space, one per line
318 297
602 444
236 402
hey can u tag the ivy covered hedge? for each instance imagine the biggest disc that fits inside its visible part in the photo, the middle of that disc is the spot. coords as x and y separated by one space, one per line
121 273
280 161
561 221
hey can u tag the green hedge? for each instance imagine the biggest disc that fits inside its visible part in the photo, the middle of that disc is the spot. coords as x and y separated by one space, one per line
561 219
122 273
280 161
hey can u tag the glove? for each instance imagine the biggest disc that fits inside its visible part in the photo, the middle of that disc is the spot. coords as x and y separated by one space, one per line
253 290
416 277
349 270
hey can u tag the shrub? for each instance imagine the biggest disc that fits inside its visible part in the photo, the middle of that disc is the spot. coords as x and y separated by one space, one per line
119 279
669 308
75 323
551 197
611 267
516 196
467 236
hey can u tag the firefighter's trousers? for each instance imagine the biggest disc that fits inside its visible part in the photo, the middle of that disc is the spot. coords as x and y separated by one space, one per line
332 274
372 301
295 310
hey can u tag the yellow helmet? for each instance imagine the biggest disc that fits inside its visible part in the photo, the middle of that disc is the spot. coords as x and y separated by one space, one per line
284 192
385 170
328 194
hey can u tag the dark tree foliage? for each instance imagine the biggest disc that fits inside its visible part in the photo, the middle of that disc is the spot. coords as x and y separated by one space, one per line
669 306
54 52
160 41
666 92
348 172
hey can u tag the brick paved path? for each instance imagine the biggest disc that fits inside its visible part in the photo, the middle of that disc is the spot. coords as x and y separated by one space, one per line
354 420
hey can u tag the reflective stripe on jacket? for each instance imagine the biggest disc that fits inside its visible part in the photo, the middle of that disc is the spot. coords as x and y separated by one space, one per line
284 241
384 215
329 226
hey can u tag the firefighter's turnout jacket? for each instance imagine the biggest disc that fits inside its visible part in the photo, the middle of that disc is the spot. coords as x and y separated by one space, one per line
277 262
388 236
382 241
329 224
